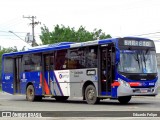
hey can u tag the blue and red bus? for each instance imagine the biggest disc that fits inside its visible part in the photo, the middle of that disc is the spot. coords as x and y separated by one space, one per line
115 68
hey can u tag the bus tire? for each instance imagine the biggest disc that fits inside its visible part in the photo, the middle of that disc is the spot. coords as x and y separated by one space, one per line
124 99
61 98
91 95
30 93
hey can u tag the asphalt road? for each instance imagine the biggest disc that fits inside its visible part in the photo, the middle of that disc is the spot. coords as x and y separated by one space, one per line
19 103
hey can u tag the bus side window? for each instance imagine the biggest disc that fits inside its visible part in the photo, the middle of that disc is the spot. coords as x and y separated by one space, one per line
37 62
76 58
61 60
52 62
31 62
72 59
49 62
91 57
8 65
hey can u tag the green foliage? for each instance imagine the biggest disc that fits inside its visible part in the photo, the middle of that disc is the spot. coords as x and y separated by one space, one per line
67 34
7 50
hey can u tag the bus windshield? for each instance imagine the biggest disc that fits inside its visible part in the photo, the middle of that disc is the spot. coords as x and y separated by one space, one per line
137 61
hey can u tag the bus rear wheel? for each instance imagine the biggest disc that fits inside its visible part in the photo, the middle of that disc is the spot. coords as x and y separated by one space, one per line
30 93
61 98
91 95
124 99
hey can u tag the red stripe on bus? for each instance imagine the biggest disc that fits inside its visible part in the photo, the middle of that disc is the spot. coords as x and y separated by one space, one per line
46 87
133 84
115 84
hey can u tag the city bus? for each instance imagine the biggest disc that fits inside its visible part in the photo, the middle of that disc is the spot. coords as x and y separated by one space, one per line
114 68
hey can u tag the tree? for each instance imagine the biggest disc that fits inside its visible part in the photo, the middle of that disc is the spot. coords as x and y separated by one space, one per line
67 34
7 50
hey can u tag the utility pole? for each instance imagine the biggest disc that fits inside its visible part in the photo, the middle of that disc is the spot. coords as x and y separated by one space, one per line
33 25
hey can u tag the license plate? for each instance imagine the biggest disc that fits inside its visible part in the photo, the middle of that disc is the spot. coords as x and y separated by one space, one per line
144 90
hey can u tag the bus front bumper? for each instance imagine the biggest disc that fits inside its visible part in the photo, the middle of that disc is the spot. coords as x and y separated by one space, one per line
124 90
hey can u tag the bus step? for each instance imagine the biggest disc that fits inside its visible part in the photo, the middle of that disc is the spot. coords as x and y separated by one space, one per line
104 97
48 95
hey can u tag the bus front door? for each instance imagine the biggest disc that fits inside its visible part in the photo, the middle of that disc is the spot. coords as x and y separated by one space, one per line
105 69
48 74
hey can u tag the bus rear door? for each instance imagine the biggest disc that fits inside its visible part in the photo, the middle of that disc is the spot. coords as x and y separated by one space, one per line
17 64
47 71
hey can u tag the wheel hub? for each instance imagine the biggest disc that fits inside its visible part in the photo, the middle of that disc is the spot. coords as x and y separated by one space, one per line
30 92
91 94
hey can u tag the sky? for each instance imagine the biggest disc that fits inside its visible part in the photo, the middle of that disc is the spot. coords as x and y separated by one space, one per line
115 17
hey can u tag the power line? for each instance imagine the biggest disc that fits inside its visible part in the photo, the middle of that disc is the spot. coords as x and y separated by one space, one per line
4 31
16 35
147 34
11 35
18 32
10 26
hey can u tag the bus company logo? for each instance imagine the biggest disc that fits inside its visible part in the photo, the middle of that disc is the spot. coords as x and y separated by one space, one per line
63 76
21 114
60 76
144 84
6 114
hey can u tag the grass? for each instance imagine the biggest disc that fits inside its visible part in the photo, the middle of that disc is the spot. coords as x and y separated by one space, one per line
0 89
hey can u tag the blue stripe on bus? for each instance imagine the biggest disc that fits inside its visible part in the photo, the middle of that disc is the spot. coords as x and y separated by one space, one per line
55 93
58 84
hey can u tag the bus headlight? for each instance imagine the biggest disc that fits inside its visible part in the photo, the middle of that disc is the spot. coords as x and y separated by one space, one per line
123 82
157 83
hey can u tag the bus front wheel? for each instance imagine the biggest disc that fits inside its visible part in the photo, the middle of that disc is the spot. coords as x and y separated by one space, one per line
124 99
30 93
91 95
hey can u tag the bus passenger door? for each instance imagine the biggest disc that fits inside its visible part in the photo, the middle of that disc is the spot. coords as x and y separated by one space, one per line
17 70
105 69
48 68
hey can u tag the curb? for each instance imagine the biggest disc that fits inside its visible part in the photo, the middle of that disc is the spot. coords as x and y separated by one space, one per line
4 93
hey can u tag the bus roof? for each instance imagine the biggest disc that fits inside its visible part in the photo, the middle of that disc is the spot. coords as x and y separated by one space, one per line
66 45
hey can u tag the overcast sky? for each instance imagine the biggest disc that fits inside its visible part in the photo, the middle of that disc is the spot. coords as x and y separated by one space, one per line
115 17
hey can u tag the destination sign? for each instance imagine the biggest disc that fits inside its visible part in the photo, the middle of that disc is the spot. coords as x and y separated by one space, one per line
138 43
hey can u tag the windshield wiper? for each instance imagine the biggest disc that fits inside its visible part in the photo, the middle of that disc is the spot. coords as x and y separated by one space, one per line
144 59
137 59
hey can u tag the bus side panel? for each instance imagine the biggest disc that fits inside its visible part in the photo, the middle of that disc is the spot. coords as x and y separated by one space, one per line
61 83
31 77
79 77
23 83
70 82
7 83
